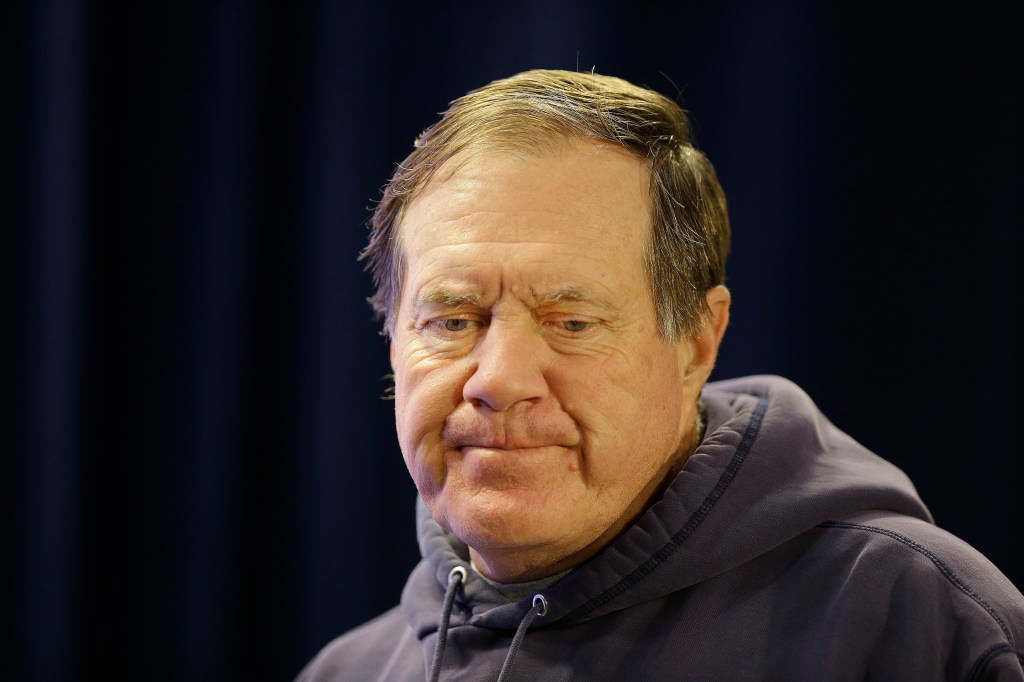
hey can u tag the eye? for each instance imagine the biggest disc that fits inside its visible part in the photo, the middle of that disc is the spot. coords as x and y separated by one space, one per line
451 324
575 325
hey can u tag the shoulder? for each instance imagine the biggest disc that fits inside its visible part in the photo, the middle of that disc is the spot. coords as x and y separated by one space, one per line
383 648
918 550
932 588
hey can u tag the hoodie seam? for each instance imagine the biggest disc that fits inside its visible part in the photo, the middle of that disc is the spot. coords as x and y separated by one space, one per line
981 664
944 569
691 525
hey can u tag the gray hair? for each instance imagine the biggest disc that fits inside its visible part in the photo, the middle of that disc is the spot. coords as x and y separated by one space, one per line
538 109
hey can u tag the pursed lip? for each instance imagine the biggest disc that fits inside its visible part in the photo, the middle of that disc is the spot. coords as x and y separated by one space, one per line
499 436
515 431
497 443
505 446
529 468
508 449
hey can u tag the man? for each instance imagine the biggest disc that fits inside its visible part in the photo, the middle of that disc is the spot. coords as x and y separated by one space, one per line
550 262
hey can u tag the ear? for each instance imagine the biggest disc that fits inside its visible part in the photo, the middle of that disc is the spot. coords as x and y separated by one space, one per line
701 350
392 353
718 299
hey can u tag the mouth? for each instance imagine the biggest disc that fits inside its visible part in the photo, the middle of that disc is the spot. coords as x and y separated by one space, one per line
509 443
508 450
502 442
531 467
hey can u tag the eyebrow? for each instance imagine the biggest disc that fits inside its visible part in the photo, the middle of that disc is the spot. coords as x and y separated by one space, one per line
441 295
567 294
446 296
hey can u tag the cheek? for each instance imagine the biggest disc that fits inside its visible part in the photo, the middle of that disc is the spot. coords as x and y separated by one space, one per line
615 390
424 397
627 407
419 418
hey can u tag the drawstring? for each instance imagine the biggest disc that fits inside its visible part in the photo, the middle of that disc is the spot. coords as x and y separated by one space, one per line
456 577
540 608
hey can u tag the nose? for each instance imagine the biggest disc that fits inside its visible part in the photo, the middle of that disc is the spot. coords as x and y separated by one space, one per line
509 369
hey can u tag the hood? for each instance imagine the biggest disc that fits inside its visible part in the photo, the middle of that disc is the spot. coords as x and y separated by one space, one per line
771 467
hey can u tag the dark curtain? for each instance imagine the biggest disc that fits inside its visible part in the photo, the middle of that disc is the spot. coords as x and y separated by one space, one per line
200 480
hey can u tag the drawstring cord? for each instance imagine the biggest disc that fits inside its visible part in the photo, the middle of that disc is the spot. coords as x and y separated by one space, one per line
456 577
540 608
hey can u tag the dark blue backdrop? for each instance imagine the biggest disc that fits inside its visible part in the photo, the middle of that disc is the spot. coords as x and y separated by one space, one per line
199 480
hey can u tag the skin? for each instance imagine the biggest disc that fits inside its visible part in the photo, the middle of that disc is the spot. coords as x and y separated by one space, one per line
538 408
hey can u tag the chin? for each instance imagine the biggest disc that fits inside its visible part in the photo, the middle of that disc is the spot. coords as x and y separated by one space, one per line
503 523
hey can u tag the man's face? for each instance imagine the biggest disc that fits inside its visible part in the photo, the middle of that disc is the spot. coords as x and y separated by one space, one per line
538 407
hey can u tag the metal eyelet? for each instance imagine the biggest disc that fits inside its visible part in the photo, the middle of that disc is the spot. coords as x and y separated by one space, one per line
540 600
458 571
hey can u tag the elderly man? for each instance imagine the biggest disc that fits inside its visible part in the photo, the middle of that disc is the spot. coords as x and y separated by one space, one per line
550 267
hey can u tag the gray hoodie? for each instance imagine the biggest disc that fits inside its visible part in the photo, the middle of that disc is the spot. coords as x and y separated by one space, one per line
784 550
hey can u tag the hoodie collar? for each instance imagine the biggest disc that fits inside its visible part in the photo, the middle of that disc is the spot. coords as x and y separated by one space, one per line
770 467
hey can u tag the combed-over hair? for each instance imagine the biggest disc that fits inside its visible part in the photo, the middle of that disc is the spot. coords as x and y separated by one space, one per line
537 110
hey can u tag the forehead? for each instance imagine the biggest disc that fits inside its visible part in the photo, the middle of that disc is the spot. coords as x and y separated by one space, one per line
543 221
580 188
